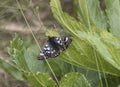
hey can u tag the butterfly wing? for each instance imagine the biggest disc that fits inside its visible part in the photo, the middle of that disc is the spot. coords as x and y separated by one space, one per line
54 46
63 42
67 41
48 51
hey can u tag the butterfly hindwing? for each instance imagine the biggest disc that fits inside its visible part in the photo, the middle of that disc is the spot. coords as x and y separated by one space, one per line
48 51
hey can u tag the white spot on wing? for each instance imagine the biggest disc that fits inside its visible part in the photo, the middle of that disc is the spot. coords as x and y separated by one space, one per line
66 39
56 39
48 52
41 54
44 48
46 45
48 48
53 50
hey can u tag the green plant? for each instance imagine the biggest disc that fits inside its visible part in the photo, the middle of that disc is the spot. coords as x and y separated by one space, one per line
95 46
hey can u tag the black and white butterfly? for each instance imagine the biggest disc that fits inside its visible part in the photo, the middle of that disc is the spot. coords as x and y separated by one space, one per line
54 46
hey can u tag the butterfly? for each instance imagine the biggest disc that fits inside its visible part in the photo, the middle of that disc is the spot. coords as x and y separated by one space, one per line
54 46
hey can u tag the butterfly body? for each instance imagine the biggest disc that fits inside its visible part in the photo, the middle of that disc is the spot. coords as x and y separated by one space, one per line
54 46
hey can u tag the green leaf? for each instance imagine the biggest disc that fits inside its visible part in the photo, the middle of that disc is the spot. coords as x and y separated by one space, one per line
33 63
112 81
11 69
67 22
90 51
60 67
55 67
74 80
51 33
82 12
113 46
88 16
39 79
113 14
97 16
16 51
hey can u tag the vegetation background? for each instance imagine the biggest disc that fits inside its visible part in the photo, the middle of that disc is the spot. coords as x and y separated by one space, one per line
12 21
40 18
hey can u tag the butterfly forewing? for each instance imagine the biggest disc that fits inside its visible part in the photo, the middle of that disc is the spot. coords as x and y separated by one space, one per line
63 42
67 41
